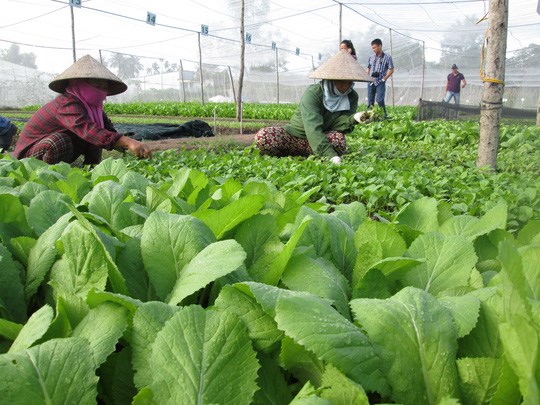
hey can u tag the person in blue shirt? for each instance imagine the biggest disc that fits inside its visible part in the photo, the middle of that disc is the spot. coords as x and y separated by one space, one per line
380 67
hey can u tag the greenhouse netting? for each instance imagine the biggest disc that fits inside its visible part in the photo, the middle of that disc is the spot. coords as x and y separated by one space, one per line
192 51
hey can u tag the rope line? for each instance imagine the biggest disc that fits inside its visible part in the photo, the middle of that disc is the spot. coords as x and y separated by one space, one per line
482 73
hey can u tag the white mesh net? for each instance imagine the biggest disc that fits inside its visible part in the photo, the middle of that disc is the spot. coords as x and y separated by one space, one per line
286 41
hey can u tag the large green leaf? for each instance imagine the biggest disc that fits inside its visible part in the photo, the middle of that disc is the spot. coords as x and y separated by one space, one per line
75 186
261 327
43 255
478 379
266 295
529 232
33 330
102 327
340 390
223 220
83 265
342 245
309 395
520 328
330 237
107 200
274 389
465 311
106 245
472 227
11 288
420 215
314 324
168 243
13 220
45 209
531 270
214 261
277 266
255 234
353 214
319 277
484 341
147 322
130 263
109 167
416 340
10 329
449 262
202 357
392 243
59 371
116 378
300 362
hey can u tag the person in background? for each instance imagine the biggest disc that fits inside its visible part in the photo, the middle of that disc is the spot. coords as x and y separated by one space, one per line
454 86
325 113
380 67
347 45
74 123
7 132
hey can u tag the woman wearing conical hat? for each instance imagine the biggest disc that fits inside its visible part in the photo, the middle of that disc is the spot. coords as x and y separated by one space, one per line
326 112
74 123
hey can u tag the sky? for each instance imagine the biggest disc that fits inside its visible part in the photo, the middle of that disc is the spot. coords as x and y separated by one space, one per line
44 27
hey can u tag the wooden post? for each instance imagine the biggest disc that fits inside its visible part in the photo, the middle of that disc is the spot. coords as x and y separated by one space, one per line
232 82
493 77
200 68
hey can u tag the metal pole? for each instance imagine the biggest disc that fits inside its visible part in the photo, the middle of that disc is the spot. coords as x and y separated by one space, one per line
423 70
73 33
392 77
340 21
183 83
277 76
200 68
100 57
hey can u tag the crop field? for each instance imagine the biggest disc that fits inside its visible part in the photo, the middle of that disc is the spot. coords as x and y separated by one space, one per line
216 275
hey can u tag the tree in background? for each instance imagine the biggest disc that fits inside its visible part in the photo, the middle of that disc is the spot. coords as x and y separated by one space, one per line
462 44
13 54
528 57
127 66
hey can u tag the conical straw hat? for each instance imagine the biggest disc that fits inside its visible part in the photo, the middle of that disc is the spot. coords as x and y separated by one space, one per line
88 68
341 66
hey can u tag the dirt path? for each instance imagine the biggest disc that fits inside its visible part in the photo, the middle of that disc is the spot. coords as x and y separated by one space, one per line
194 143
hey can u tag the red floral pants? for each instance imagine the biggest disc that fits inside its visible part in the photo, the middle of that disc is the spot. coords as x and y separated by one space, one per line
275 141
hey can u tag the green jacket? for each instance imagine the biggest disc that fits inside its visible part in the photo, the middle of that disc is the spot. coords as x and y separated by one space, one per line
312 120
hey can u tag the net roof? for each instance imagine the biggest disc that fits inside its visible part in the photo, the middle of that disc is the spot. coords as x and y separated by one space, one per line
305 34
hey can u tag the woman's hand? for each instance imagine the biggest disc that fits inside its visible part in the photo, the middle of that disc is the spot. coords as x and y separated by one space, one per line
139 149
